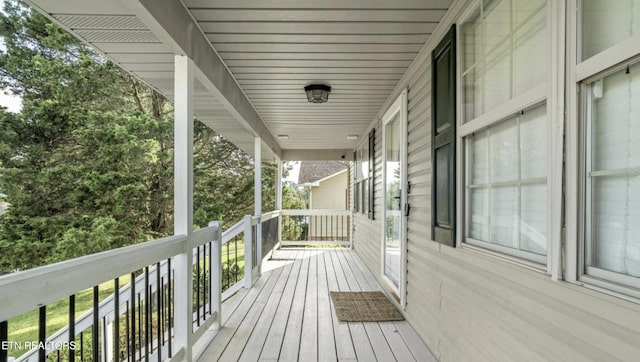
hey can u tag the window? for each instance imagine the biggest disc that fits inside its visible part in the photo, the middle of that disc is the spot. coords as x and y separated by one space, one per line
609 172
612 245
504 47
363 178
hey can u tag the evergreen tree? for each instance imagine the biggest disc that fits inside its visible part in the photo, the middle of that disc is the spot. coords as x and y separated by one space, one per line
87 165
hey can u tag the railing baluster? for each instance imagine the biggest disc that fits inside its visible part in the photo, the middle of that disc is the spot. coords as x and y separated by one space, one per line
169 306
133 316
4 338
215 297
163 312
126 332
42 332
72 327
210 278
198 286
116 319
82 346
139 326
95 330
147 321
159 287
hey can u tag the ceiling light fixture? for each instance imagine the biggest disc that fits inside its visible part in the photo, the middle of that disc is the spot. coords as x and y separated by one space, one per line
352 137
283 136
317 93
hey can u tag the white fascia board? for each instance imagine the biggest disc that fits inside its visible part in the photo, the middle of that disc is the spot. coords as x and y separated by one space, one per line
173 25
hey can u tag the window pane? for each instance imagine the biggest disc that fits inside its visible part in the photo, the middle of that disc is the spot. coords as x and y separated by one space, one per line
503 152
533 223
606 23
530 36
479 220
504 53
504 216
480 158
497 53
533 144
616 125
615 245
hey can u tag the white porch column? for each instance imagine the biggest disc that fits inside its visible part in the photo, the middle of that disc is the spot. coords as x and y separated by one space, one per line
279 185
279 201
183 200
257 187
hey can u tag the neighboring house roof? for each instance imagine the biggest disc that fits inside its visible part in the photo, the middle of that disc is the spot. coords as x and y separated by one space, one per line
313 171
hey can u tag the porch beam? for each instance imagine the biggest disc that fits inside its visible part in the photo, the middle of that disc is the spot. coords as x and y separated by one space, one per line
172 24
183 200
317 155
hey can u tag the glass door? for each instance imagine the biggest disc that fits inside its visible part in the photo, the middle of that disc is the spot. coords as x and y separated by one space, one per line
394 191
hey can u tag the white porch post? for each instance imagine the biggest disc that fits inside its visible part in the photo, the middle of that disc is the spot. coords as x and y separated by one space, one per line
183 201
257 187
279 201
279 185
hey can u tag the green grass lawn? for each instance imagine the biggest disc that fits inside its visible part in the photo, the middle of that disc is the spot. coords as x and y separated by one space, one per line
24 328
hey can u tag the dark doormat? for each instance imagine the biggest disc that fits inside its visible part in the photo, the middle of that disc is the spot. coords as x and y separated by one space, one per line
364 307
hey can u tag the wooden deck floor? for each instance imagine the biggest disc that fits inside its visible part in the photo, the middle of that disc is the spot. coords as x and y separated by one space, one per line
288 315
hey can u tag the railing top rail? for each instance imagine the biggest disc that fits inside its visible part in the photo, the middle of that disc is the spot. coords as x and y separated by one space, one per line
30 289
233 231
316 212
269 215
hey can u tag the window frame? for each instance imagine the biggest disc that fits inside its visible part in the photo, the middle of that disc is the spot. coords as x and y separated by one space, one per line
617 282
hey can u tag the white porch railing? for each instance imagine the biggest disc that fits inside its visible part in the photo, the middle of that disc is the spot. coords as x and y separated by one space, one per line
316 227
137 321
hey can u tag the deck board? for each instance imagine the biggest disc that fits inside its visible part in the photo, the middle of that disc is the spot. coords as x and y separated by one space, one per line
288 315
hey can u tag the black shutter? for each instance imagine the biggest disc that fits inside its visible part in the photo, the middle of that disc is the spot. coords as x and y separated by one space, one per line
355 182
443 140
372 168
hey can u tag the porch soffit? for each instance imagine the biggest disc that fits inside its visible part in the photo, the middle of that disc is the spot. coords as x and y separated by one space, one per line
255 57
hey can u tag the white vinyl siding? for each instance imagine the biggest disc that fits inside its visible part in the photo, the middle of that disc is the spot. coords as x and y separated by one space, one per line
331 193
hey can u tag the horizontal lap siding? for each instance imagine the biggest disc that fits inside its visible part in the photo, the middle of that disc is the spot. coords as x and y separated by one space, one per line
469 306
367 237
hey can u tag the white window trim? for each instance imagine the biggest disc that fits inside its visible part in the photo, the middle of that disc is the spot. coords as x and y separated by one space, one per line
577 76
553 93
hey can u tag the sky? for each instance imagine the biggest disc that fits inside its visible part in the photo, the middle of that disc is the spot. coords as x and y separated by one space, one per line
12 103
293 174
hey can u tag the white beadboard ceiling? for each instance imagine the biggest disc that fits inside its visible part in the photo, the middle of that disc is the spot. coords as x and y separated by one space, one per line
361 48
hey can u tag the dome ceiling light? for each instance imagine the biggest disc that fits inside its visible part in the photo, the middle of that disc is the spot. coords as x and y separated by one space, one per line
317 93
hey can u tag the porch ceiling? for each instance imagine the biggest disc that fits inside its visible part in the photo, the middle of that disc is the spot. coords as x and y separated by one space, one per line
270 50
